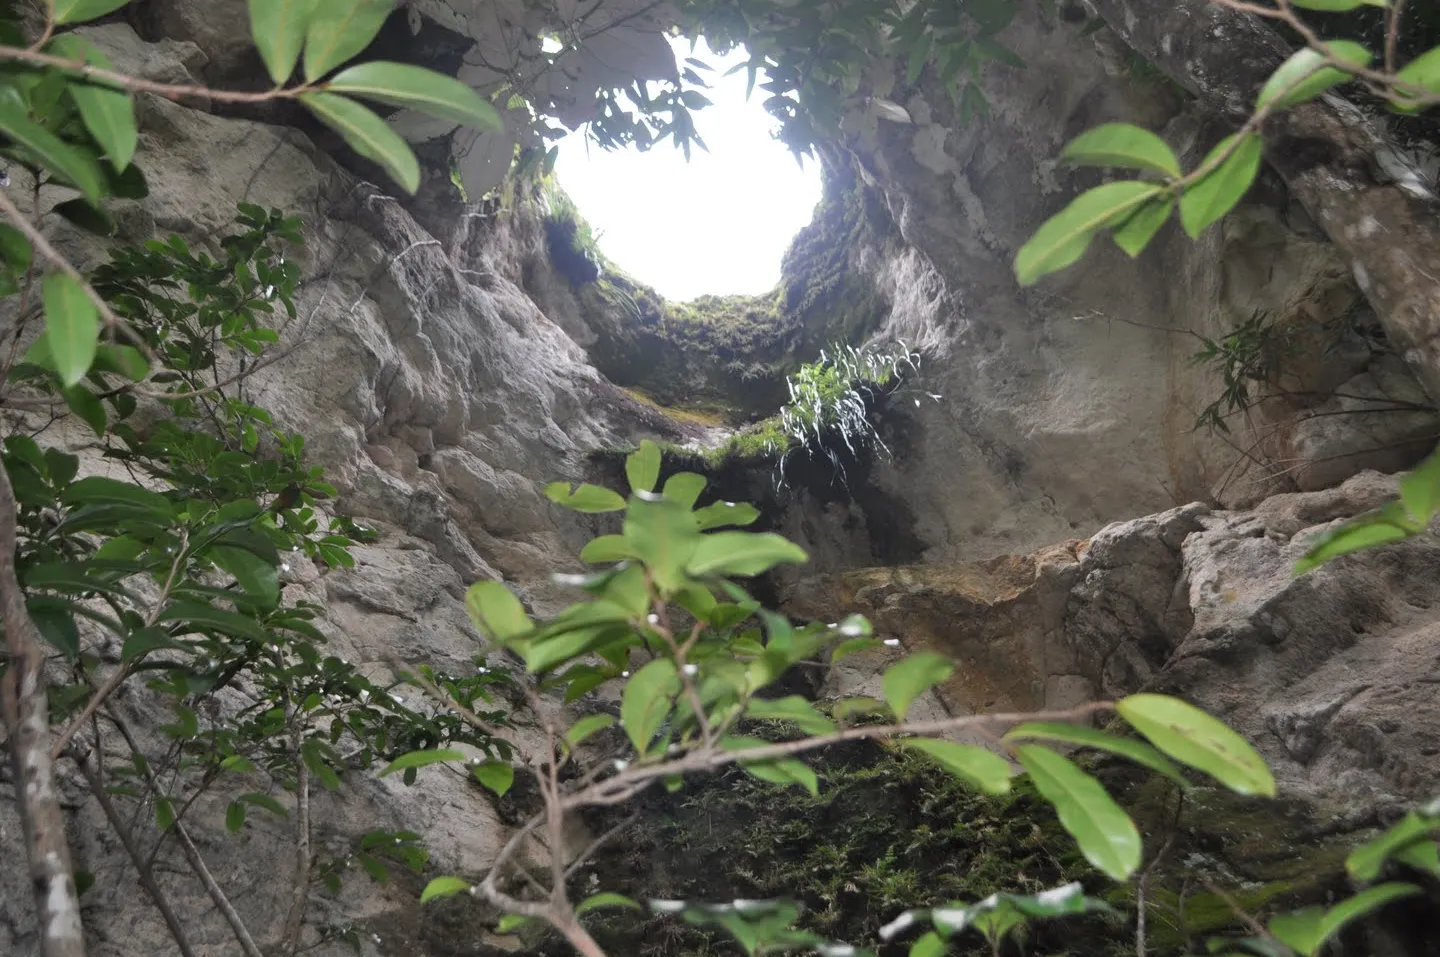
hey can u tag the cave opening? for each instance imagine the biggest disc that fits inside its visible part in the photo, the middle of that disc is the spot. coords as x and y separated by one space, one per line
714 222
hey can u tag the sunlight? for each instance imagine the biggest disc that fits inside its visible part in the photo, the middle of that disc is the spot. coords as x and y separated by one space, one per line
717 224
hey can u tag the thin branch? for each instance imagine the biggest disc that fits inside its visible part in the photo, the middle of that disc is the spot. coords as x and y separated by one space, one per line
26 711
170 91
142 868
192 854
295 920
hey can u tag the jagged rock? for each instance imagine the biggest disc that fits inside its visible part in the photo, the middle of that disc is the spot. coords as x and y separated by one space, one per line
1331 675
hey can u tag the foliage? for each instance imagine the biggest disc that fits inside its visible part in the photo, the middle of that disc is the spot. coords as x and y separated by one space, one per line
573 245
174 577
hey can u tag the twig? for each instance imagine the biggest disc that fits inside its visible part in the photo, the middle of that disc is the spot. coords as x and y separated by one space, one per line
27 714
295 920
142 867
192 854
170 91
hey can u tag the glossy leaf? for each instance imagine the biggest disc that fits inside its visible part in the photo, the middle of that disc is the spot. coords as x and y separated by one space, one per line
606 899
684 488
1106 835
1305 76
1208 199
496 612
1135 233
606 548
646 701
662 534
642 467
1065 236
721 514
1423 71
497 776
585 498
1383 526
368 135
235 816
984 769
420 759
1307 930
258 577
1420 490
50 151
444 887
930 944
403 85
585 727
72 326
1125 145
108 113
1366 861
912 676
340 29
742 554
1137 751
78 11
776 770
1193 737
278 28
791 708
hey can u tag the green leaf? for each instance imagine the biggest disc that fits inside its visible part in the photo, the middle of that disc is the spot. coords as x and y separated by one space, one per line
1193 737
646 701
265 801
367 135
1137 751
142 641
721 514
1390 523
854 646
14 248
662 534
684 488
419 759
1135 233
1366 861
1420 490
742 553
930 944
121 360
908 678
235 816
985 769
497 776
777 770
444 887
510 923
84 404
72 326
1065 236
585 727
642 467
108 113
586 498
340 29
278 28
1106 835
194 616
496 612
259 578
55 155
1210 198
400 84
1305 76
1367 901
97 488
1423 71
78 11
1122 144
56 623
791 708
606 899
606 548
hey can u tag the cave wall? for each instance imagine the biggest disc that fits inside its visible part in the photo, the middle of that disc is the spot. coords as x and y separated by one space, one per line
441 378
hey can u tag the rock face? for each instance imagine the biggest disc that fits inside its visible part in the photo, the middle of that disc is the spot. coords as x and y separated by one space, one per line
437 376
1331 675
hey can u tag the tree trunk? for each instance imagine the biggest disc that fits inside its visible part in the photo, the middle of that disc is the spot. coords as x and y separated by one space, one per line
1329 154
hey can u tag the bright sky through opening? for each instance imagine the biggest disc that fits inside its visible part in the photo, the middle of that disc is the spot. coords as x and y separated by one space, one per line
718 224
